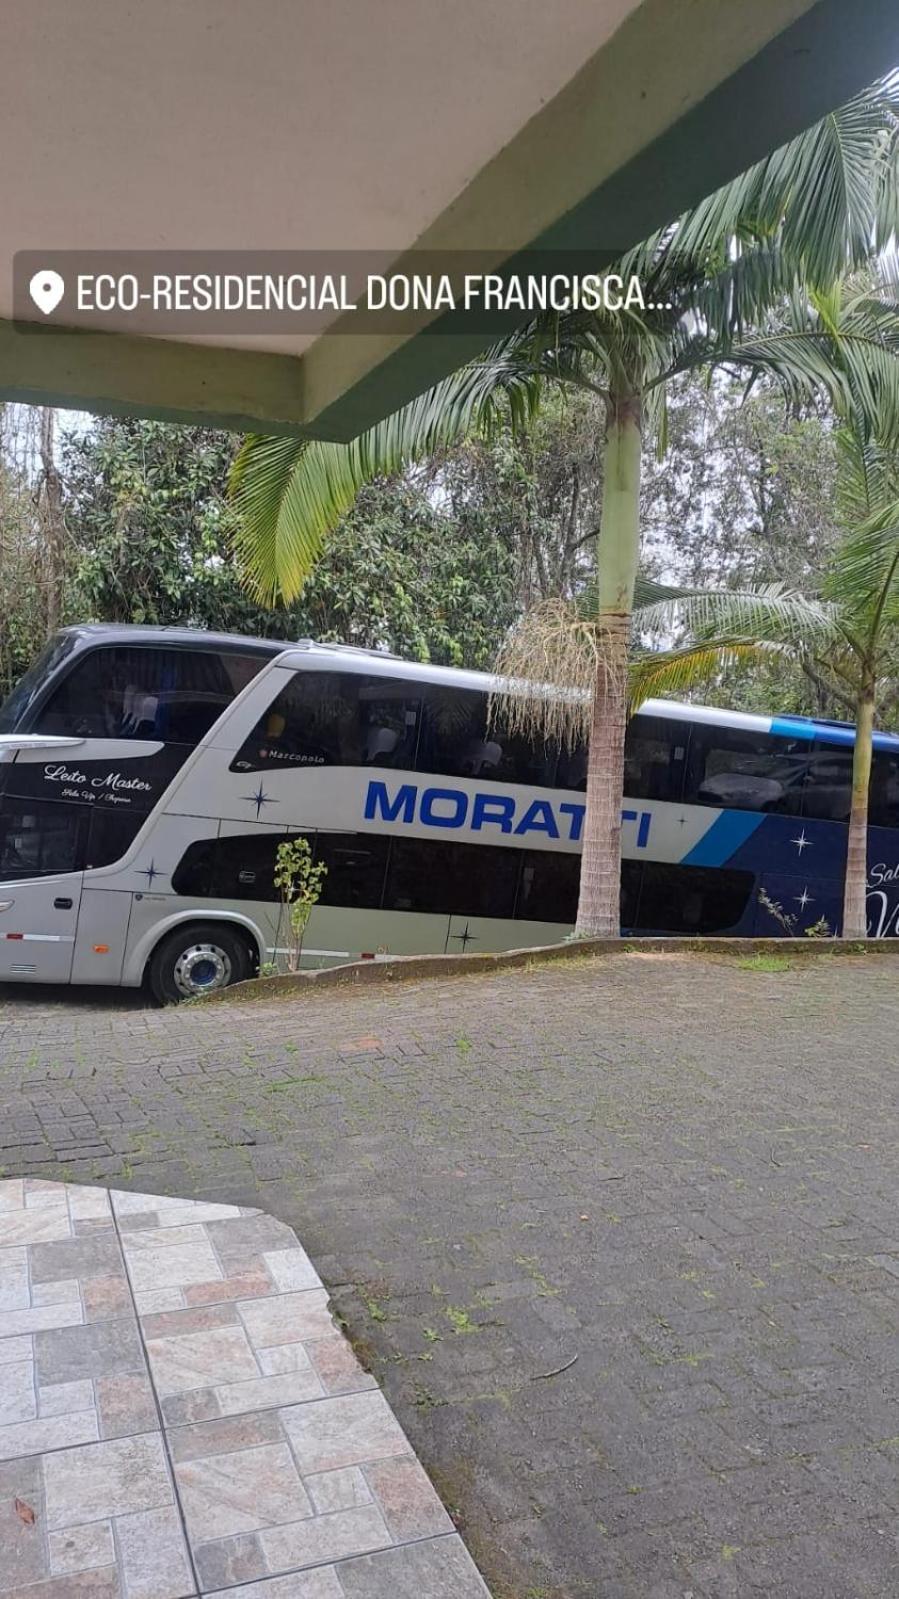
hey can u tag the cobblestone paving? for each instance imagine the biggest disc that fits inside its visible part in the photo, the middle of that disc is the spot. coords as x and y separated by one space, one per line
620 1240
179 1415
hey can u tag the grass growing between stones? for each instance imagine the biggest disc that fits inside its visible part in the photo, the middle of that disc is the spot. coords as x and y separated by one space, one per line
765 963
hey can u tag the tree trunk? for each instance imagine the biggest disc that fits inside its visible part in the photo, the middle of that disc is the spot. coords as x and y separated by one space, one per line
54 528
855 915
618 548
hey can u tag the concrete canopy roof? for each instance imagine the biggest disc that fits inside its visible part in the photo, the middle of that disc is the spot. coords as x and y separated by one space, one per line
349 124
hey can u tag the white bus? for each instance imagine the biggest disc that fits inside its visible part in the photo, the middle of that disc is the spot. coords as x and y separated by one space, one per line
147 777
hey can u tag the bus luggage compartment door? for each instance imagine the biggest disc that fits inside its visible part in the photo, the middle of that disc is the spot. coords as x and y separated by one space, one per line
38 921
102 935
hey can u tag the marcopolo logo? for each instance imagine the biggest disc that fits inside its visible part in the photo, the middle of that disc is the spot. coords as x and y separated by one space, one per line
454 808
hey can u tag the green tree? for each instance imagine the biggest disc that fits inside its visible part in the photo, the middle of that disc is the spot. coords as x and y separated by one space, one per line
299 880
538 492
149 532
792 223
851 633
26 583
404 572
151 525
744 493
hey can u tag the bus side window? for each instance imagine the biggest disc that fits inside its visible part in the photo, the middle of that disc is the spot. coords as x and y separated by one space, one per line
110 834
828 783
550 884
193 875
655 751
460 739
451 879
335 719
741 769
691 899
39 838
356 863
572 769
236 866
302 726
455 740
389 713
883 799
549 887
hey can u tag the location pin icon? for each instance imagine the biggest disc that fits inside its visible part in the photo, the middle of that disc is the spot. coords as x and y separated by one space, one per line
47 289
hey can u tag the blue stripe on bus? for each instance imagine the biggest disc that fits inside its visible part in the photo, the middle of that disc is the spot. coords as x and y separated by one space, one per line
723 839
828 733
785 727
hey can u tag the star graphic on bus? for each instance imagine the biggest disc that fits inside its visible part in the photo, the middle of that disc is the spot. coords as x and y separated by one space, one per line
804 899
149 872
801 842
259 799
465 938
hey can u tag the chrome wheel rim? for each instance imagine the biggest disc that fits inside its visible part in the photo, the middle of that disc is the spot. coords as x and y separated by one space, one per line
201 968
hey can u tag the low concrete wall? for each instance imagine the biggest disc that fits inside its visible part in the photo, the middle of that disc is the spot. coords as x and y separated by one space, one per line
405 968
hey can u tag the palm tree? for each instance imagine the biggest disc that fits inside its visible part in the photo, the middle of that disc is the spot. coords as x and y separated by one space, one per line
793 223
849 635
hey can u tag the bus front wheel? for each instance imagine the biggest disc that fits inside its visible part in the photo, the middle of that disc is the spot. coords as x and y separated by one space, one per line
198 959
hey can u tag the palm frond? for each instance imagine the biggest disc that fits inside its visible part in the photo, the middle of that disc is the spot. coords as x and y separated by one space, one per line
858 372
677 672
290 494
770 613
866 476
829 191
864 575
648 591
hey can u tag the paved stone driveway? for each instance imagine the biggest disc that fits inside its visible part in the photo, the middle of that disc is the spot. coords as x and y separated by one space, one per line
619 1239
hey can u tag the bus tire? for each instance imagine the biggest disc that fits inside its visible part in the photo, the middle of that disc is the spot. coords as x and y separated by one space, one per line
196 959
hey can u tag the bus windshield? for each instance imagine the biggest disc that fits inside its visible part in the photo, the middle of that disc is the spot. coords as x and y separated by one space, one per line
124 691
16 704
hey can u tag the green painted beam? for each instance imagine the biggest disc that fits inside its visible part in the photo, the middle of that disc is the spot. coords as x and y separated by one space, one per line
114 374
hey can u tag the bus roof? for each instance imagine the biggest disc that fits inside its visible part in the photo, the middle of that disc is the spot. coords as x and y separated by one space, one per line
296 656
139 633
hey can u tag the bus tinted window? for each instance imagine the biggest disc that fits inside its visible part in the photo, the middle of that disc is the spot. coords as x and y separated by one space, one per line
549 887
740 769
242 866
446 879
237 866
110 834
16 706
883 798
335 719
655 751
457 740
125 691
194 873
356 865
690 899
828 783
571 772
40 837
344 719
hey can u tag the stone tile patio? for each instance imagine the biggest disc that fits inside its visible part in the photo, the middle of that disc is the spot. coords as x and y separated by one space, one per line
179 1416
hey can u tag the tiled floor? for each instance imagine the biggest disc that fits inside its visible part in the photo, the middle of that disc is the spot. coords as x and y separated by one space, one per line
180 1416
